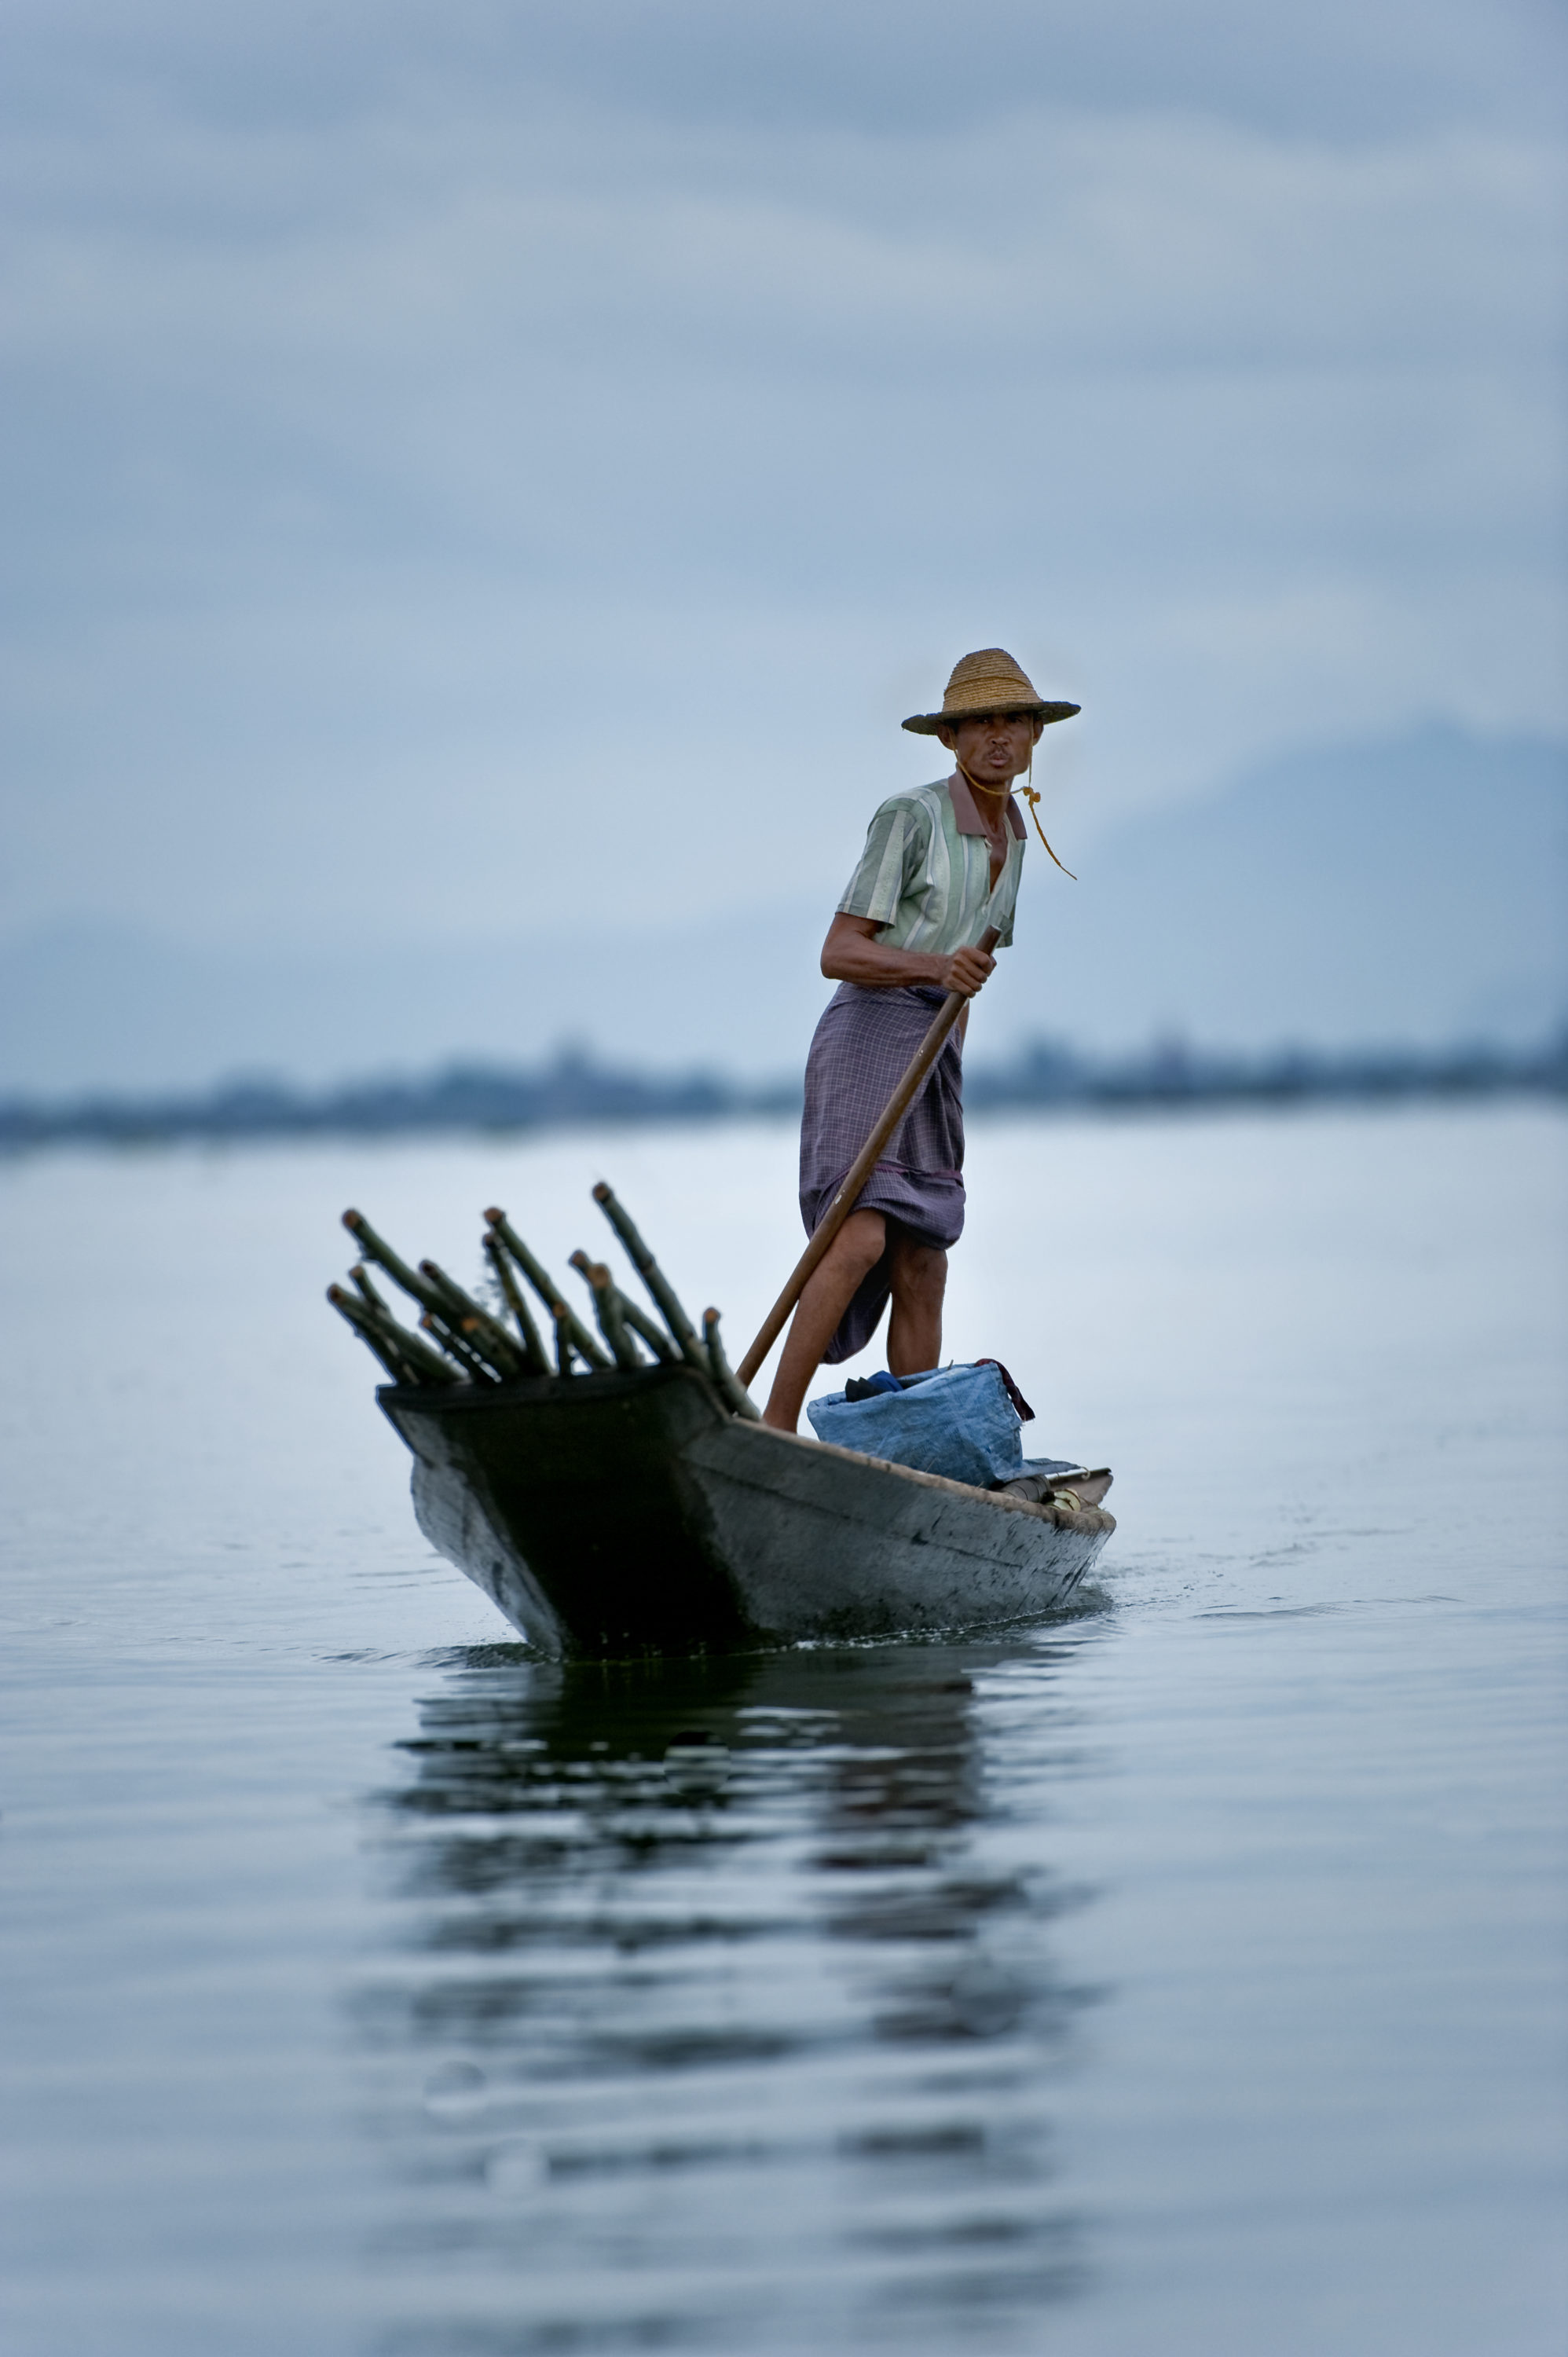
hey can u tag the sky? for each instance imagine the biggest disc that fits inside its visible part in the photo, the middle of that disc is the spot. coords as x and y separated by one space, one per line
476 471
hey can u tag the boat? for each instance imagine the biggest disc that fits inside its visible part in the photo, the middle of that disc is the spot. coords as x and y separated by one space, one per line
624 1498
626 1510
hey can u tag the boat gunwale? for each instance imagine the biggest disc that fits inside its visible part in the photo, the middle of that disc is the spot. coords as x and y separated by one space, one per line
609 1382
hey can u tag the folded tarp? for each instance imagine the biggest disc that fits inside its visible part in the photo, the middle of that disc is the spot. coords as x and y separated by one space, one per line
959 1421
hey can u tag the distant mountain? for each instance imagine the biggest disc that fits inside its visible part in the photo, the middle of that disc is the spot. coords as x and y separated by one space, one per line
1413 891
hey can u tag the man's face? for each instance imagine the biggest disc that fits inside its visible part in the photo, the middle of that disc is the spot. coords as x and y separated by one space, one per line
994 747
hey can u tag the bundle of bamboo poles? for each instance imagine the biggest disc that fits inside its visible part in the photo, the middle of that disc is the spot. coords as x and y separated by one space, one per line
461 1341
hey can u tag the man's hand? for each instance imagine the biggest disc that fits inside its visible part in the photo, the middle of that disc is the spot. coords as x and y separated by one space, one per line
853 954
966 970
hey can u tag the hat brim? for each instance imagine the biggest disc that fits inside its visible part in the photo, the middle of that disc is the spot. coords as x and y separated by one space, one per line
926 723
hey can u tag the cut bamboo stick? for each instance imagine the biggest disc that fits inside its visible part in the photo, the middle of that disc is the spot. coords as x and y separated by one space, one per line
457 1345
360 1275
532 1347
608 1307
405 1356
473 1320
347 1307
397 1338
638 1321
376 1248
653 1333
723 1374
583 1342
427 1365
653 1276
564 1343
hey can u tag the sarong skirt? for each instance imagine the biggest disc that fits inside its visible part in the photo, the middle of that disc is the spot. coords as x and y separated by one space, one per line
862 1049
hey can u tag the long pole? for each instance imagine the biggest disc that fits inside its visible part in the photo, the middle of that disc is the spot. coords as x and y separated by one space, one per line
860 1170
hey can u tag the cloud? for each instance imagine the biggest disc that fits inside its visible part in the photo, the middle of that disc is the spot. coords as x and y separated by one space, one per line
546 445
1357 68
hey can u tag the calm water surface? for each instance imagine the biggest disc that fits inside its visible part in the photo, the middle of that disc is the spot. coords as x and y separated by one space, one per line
1185 1977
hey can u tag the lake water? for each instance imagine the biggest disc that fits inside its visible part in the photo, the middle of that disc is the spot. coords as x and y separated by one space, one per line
1187 1975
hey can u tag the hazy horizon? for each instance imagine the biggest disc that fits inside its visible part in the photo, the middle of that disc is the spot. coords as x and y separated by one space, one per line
1407 894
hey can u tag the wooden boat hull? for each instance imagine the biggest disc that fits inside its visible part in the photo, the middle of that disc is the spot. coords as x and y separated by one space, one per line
627 1511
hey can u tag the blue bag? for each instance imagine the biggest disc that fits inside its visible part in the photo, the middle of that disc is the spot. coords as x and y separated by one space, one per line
959 1421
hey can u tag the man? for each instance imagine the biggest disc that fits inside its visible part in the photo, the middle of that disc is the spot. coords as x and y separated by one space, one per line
940 864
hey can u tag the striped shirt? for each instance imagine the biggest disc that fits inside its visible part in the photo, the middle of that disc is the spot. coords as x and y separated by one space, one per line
925 874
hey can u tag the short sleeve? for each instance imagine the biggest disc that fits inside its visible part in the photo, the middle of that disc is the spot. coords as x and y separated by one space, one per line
895 853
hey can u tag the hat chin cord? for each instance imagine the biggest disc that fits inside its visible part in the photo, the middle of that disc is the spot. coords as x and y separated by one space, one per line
1031 794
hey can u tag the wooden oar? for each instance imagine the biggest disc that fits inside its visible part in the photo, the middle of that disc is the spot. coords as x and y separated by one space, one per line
860 1168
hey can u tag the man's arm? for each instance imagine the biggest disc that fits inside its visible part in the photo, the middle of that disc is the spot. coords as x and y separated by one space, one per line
851 953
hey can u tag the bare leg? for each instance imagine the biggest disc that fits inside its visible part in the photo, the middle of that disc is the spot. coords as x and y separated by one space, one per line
829 1290
920 1273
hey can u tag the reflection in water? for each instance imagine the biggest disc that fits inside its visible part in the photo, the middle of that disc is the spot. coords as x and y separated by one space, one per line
757 2058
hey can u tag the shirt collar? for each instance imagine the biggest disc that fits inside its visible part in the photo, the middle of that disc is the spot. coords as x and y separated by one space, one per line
968 818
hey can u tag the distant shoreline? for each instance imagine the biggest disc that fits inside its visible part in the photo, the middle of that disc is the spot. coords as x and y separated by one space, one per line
577 1091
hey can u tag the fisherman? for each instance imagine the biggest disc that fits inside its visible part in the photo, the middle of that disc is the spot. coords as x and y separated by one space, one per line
940 864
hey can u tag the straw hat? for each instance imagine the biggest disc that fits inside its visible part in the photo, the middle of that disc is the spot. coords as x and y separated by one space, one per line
987 681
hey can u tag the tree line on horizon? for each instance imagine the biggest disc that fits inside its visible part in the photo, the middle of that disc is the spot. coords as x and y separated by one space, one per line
575 1088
